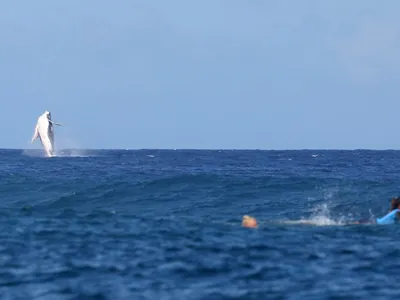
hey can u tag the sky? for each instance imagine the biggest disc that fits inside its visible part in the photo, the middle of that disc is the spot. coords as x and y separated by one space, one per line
209 74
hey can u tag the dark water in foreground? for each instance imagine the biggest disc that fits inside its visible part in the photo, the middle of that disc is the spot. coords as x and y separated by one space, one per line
166 225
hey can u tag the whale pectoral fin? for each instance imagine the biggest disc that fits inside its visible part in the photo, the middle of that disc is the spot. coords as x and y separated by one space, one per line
35 134
55 123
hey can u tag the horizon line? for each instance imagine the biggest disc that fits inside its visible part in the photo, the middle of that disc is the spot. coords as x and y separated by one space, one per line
209 149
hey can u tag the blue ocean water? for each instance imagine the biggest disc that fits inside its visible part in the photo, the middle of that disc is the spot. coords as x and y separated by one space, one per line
164 224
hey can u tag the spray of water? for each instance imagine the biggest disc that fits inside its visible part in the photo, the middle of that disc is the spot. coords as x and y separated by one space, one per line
321 213
322 216
33 150
30 151
65 146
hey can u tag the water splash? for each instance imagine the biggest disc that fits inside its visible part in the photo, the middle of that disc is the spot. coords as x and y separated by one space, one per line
322 216
66 146
33 152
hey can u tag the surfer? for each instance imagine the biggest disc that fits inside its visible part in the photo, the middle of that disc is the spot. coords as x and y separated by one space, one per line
395 203
393 216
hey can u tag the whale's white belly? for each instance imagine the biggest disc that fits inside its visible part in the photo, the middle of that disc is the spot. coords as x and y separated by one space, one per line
46 135
44 129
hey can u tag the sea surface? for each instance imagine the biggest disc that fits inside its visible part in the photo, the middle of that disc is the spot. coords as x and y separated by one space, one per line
166 224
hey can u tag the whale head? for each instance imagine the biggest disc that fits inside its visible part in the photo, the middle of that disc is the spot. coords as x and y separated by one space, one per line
47 114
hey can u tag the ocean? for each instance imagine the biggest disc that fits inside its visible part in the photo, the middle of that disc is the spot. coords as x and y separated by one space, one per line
166 224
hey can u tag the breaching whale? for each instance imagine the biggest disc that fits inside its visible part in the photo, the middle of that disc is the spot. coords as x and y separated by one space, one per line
45 131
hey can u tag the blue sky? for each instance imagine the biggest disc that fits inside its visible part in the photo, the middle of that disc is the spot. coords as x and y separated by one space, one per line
202 74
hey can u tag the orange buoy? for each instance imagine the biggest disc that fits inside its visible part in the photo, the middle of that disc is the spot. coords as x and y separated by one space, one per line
249 222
